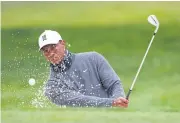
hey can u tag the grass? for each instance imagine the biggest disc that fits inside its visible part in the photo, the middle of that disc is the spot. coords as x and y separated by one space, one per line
98 115
118 30
20 14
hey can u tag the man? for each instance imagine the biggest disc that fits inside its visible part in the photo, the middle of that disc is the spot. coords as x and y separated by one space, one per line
79 79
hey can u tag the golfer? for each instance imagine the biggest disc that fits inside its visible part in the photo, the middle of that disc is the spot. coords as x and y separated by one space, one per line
79 79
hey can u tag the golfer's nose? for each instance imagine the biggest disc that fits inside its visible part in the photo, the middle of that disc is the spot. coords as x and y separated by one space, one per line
50 54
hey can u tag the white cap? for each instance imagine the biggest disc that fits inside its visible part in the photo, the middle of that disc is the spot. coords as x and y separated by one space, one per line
49 37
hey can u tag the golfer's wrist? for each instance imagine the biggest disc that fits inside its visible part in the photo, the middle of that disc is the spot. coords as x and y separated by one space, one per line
114 103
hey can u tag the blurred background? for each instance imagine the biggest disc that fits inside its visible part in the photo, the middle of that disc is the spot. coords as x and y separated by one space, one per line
118 30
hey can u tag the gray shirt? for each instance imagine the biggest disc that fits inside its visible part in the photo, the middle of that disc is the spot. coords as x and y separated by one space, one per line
90 81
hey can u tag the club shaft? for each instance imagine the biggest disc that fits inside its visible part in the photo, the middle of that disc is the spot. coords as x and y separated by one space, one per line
139 69
127 97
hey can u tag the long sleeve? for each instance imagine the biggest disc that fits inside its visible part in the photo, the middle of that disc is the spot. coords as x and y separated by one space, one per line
109 78
62 94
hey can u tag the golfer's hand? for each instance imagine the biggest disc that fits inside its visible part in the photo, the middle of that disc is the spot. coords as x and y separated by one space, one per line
120 102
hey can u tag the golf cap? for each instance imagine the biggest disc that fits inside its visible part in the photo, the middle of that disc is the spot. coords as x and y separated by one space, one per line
49 37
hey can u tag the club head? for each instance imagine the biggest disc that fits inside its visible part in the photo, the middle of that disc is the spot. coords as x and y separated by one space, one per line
154 21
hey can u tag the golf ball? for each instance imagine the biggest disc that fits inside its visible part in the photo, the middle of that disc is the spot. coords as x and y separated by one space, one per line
32 81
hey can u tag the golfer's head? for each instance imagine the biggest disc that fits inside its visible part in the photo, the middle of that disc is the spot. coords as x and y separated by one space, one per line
52 46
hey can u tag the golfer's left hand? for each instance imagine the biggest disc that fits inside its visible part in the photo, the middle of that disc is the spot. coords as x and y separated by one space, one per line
121 102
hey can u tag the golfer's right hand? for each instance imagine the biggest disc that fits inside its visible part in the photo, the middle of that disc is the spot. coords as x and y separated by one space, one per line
120 102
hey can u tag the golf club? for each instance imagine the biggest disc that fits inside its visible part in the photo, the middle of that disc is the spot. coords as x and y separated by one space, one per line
152 20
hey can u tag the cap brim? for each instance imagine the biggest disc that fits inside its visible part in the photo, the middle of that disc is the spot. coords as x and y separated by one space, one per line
46 45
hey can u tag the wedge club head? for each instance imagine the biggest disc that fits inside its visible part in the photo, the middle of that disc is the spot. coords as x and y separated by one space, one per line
154 21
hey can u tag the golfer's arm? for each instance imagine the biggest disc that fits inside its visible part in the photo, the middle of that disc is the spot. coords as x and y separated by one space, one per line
72 98
116 90
109 78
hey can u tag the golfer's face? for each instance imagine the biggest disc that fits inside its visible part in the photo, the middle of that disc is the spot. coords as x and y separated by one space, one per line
54 53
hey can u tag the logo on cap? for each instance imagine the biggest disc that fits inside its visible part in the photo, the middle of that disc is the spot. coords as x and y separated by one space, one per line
44 37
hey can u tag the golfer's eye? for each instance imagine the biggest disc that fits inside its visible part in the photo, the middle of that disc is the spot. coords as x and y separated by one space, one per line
45 50
53 47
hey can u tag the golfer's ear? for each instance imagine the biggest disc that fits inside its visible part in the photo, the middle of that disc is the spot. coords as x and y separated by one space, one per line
63 42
